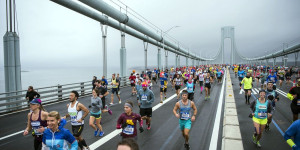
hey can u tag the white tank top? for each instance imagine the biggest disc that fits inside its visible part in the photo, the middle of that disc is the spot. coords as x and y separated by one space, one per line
74 114
201 77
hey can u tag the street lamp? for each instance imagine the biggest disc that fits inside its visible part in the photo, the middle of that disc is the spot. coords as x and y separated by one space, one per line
163 35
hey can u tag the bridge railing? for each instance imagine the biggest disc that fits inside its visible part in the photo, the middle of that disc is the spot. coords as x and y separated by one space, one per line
14 101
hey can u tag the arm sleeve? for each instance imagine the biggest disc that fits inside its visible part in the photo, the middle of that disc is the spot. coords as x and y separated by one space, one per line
270 108
99 102
152 97
119 122
291 131
252 106
290 96
37 95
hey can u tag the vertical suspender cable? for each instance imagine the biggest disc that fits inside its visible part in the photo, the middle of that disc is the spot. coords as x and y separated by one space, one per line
14 15
6 17
10 15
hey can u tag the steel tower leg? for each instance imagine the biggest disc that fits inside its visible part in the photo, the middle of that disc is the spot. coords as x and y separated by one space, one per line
123 56
145 48
159 58
104 48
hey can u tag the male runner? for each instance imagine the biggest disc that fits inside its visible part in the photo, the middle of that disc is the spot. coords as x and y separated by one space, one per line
146 98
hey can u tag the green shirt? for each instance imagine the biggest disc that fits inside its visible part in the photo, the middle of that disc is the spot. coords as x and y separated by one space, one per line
247 83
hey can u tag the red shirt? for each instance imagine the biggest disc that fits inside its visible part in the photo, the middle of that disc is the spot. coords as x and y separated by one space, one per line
132 79
131 121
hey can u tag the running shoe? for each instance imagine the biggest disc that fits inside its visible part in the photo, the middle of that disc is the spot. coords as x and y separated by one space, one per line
111 103
86 148
254 139
165 97
119 101
161 101
101 133
258 144
149 127
187 146
208 97
205 98
109 111
96 132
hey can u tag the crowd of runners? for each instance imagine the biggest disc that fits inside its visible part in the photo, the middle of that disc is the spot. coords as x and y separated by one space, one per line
49 132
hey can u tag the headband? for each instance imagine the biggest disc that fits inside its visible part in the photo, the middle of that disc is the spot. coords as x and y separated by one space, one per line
127 104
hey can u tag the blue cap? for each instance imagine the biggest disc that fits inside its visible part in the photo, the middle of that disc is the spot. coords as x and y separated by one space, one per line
36 101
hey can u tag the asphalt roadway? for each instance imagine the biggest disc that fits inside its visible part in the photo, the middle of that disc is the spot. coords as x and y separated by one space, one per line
164 133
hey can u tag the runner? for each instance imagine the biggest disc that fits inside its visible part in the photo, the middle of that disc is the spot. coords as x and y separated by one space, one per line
138 87
104 82
273 97
163 86
235 71
119 83
148 81
94 82
128 144
294 95
114 89
241 75
31 94
281 74
172 76
96 112
288 77
247 87
190 88
219 75
146 98
77 112
102 93
177 82
293 131
56 137
208 80
154 75
201 80
128 120
132 83
184 115
272 78
263 79
261 109
257 76
37 122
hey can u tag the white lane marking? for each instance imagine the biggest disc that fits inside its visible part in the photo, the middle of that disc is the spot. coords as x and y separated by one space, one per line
215 134
283 94
118 131
254 91
257 91
278 90
2 138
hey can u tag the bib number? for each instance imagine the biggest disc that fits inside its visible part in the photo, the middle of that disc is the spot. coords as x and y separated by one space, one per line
132 81
298 102
185 116
262 114
129 130
74 119
144 97
35 126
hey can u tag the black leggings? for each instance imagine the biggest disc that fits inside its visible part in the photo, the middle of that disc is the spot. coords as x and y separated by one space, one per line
103 102
37 144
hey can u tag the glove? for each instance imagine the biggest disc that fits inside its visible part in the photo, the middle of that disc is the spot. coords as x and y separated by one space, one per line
270 97
124 125
90 106
141 129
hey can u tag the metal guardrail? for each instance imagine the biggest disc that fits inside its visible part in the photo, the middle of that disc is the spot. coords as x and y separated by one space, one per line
13 101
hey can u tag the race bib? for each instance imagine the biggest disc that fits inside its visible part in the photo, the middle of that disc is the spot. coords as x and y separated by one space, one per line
185 116
298 102
144 97
262 114
35 126
162 86
190 89
131 81
129 130
74 119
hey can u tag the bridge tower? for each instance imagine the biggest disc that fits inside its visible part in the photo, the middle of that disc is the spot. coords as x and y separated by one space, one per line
228 32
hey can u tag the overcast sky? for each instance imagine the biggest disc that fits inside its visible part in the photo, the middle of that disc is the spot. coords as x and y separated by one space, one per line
53 35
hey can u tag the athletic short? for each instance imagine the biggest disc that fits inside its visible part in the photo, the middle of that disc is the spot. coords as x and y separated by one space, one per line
185 124
77 130
146 112
201 83
114 90
185 81
154 78
163 90
97 116
262 81
177 87
240 79
132 84
191 96
281 78
288 78
257 78
246 90
219 78
260 121
295 108
207 85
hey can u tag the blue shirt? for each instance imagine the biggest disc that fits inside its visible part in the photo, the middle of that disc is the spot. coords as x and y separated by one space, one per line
272 78
190 87
59 140
294 131
241 73
219 74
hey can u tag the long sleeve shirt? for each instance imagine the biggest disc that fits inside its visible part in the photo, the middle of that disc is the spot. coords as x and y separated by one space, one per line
146 98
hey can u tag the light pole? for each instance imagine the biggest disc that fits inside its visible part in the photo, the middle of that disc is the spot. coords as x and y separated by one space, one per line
163 35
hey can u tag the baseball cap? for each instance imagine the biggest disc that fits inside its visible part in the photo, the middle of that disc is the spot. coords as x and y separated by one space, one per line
36 101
